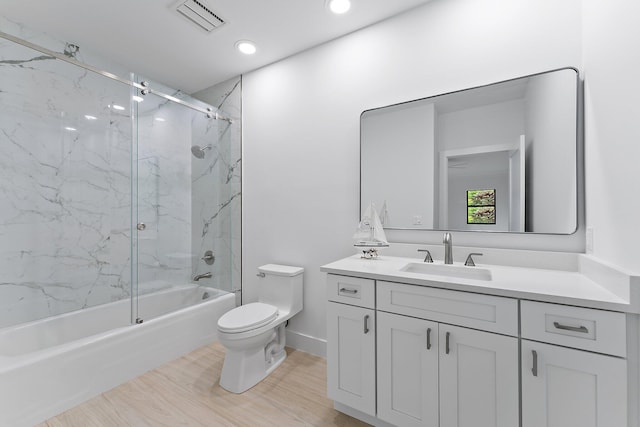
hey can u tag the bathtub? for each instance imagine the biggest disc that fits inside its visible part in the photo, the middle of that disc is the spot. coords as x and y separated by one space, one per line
51 365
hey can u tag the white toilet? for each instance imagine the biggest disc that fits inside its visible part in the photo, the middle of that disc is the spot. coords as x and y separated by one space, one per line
253 334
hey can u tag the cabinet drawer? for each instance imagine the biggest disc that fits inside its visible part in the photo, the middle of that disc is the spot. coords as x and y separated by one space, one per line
485 312
585 328
351 290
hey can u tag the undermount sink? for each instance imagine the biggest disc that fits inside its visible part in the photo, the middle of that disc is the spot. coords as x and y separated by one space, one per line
457 271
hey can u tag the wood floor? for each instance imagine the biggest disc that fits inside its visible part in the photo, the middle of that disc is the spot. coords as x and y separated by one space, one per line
185 392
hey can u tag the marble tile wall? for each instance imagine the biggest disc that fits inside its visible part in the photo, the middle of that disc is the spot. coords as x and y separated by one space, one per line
66 186
219 210
163 193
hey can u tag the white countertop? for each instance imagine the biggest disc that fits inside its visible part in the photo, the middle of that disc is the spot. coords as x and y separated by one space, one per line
591 286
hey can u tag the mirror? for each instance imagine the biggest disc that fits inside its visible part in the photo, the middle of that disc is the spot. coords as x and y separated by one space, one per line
498 158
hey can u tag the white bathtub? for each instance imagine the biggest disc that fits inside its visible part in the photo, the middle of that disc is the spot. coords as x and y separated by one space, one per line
51 365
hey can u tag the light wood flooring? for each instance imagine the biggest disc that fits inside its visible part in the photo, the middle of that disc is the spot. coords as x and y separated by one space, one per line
185 392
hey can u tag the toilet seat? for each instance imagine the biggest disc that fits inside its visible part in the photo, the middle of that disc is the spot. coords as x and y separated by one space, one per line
247 317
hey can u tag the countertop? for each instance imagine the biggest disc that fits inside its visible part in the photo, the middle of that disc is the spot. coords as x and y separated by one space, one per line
590 285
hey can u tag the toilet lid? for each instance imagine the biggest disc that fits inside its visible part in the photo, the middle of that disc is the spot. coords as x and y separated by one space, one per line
247 317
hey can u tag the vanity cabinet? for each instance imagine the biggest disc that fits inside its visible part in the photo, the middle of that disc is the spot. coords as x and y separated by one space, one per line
432 373
413 355
408 391
351 343
478 378
571 387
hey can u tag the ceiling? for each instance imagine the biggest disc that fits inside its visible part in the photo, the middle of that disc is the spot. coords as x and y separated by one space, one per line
152 39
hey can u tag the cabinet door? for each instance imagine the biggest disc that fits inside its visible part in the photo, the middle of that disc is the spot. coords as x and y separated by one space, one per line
407 370
563 387
478 378
351 358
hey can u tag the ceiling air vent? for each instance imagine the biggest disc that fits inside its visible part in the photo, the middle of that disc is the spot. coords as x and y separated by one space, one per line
201 15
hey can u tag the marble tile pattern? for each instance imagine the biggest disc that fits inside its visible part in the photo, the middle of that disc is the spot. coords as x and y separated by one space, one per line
217 213
66 186
163 193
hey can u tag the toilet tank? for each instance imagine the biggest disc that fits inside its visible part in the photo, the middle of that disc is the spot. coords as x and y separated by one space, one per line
281 286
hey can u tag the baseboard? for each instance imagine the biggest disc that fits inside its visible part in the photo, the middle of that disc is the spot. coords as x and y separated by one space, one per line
307 343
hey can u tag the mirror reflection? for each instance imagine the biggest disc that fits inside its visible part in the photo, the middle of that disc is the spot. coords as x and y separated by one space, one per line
498 158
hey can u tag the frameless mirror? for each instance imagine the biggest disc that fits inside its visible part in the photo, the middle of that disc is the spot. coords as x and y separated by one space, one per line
500 157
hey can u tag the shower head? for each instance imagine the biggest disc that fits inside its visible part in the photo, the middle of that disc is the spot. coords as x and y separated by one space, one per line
198 151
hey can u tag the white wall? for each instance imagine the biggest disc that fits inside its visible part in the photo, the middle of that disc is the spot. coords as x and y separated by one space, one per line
397 163
301 124
491 124
612 131
550 101
488 125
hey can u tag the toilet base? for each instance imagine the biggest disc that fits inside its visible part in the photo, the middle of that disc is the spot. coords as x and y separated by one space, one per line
242 369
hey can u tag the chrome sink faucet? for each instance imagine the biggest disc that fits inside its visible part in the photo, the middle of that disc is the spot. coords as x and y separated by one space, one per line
448 246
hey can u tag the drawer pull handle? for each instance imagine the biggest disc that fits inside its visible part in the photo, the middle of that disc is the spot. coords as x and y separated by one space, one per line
582 329
348 291
534 368
428 338
366 324
447 342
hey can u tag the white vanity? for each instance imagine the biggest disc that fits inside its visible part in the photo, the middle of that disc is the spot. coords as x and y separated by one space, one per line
417 344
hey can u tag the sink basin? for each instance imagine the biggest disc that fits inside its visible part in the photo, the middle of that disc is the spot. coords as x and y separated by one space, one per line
454 271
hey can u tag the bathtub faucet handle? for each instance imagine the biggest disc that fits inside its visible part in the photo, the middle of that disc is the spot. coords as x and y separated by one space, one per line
209 257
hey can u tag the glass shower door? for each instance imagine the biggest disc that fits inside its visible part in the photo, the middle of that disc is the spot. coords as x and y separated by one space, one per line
65 148
182 222
211 218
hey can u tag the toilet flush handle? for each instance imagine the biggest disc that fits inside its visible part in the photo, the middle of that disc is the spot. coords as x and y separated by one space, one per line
261 274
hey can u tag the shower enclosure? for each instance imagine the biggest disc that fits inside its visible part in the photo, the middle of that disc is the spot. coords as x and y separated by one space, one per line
104 193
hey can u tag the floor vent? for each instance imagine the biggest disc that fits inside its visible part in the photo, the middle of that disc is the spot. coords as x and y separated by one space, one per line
201 15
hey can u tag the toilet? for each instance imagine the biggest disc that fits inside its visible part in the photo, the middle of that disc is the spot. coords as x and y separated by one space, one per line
253 334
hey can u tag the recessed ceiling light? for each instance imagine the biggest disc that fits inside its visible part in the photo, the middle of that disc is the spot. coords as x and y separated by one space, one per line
339 6
137 98
90 117
69 128
245 46
159 119
117 107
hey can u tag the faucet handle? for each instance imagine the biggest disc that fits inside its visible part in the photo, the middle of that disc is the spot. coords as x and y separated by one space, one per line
469 262
427 257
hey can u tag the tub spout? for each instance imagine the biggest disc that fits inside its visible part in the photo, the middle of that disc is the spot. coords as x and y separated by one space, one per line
206 275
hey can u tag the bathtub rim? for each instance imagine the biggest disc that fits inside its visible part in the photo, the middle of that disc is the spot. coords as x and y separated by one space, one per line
8 363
